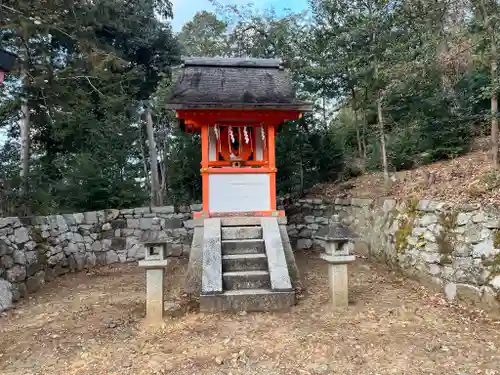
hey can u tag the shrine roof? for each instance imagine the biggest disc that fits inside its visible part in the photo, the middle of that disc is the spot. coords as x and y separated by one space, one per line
336 231
236 83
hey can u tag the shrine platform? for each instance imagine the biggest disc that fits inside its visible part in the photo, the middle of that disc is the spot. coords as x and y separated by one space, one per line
242 264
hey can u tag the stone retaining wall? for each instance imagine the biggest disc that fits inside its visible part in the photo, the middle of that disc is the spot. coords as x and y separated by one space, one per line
456 248
35 250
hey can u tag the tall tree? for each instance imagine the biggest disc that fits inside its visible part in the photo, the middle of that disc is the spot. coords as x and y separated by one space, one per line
204 35
90 65
487 25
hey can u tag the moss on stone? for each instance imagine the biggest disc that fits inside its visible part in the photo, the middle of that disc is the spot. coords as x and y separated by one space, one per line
412 206
493 262
445 259
496 239
404 230
42 245
446 239
406 223
392 216
42 254
448 220
494 266
36 235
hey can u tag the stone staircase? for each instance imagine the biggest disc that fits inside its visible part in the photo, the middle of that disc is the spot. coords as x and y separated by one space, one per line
244 266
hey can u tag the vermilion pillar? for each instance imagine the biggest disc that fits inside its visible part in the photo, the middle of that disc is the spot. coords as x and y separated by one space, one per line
204 165
254 178
272 164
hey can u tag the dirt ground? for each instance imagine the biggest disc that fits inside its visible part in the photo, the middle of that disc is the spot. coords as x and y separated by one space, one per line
91 324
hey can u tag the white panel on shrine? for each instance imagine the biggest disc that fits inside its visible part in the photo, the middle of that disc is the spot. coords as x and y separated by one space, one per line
259 154
212 145
235 192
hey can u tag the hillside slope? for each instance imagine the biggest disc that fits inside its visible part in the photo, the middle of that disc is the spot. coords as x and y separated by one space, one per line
466 179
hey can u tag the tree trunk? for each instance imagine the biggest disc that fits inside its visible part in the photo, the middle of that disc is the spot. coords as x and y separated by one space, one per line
494 98
24 126
382 139
324 113
163 169
365 125
144 160
381 131
358 136
356 121
301 176
156 199
494 104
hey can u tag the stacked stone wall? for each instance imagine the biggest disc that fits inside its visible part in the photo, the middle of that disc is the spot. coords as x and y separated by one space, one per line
456 248
35 250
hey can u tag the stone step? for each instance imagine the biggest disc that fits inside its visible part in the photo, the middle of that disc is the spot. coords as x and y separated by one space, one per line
241 233
246 280
244 262
247 300
248 246
241 221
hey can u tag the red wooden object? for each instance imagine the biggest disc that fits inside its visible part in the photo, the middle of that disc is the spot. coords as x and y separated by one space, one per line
201 120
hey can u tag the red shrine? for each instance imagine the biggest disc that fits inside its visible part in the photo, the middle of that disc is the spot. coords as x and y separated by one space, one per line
236 105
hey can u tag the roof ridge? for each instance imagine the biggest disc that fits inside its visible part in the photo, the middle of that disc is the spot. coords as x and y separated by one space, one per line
233 62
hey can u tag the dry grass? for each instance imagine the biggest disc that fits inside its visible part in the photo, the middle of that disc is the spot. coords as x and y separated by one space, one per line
466 179
91 324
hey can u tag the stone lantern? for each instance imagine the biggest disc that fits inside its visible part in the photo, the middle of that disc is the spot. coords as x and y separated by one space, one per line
155 263
338 243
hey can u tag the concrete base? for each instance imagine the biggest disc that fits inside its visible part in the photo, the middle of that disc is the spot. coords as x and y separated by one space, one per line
246 280
248 300
244 262
192 284
211 272
250 246
249 257
293 270
278 268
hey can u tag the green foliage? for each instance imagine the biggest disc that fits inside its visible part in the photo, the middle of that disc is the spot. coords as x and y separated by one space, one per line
204 35
183 166
424 125
425 118
92 66
305 155
86 84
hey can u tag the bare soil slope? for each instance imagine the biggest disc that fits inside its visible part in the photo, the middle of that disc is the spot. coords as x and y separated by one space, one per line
466 179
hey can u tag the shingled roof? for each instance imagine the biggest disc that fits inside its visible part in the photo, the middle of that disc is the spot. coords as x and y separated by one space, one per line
336 231
233 83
